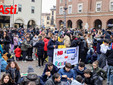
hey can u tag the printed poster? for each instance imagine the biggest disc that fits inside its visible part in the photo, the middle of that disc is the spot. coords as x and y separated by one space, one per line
66 55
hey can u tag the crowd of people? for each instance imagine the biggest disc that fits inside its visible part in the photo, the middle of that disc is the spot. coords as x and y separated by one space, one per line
95 48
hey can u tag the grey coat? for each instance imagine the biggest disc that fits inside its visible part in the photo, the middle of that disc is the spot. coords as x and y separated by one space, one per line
51 82
24 46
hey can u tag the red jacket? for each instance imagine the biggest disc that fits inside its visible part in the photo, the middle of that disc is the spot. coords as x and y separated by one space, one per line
45 43
18 52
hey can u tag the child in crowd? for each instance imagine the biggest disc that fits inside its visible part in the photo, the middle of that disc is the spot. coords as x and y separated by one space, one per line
78 81
101 74
79 69
14 71
17 53
66 73
88 77
6 80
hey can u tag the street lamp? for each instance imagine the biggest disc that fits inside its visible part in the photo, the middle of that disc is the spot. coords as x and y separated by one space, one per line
65 8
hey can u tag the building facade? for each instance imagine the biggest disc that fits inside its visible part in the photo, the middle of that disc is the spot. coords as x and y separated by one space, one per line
45 20
48 20
28 14
85 13
53 16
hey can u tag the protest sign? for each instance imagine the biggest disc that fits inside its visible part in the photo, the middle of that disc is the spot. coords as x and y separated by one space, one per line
66 55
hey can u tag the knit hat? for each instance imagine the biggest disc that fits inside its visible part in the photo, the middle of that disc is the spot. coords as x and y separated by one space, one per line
30 69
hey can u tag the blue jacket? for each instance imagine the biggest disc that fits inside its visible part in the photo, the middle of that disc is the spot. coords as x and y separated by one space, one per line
44 77
51 48
69 74
1 49
3 64
78 72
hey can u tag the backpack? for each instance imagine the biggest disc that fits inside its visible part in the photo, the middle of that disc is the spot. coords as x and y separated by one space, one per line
31 78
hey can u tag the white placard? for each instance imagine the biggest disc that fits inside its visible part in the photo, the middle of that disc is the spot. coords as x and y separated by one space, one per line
66 55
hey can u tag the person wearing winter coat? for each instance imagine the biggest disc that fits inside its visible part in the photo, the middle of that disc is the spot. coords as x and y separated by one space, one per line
15 41
79 69
67 40
6 42
46 40
3 63
99 42
98 73
66 73
103 49
30 48
35 40
109 57
40 50
52 44
54 80
17 53
24 48
61 42
78 81
49 70
6 80
14 71
88 78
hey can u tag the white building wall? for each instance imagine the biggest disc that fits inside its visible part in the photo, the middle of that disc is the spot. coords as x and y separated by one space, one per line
26 14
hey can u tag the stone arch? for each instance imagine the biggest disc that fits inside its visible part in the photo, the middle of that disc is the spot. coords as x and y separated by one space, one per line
98 24
79 24
110 23
69 24
19 22
31 23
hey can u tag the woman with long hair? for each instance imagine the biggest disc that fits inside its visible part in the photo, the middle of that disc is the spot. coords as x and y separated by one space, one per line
14 71
6 41
6 80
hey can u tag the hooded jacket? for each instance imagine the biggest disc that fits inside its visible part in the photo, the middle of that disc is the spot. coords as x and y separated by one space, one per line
51 48
69 74
45 44
78 72
54 70
51 82
18 52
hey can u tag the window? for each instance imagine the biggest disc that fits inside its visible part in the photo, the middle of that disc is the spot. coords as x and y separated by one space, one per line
19 8
32 0
32 9
98 6
69 0
80 6
47 22
61 10
61 1
48 18
70 9
111 6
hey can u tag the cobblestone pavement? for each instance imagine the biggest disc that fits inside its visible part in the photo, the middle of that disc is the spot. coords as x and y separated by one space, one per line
24 67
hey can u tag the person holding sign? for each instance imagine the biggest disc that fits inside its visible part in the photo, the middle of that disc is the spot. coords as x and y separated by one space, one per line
66 73
52 44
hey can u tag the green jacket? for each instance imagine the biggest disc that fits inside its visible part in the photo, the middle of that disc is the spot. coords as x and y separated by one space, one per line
99 72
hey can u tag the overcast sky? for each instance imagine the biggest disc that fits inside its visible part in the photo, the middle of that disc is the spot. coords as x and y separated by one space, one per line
47 5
